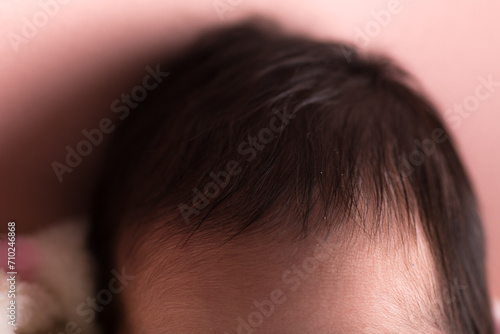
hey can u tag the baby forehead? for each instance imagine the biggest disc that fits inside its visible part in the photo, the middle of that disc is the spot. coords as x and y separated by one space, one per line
334 253
324 281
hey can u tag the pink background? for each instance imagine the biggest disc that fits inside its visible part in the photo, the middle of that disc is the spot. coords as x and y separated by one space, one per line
63 79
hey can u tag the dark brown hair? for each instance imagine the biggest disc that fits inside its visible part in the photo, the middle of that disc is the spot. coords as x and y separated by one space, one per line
255 123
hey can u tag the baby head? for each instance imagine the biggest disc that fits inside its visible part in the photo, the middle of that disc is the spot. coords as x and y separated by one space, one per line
276 184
